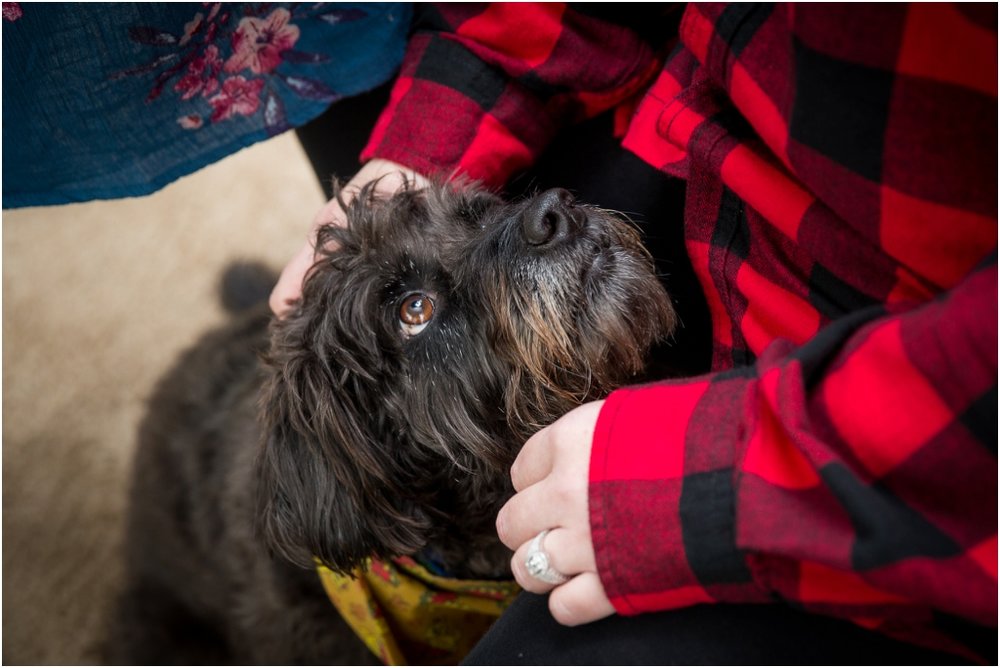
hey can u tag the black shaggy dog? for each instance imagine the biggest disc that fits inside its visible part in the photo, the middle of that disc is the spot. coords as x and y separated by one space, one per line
444 328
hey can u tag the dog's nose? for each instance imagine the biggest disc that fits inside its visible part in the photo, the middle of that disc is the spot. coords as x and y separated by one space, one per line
551 217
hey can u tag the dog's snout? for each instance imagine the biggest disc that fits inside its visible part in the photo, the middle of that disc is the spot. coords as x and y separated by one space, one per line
551 217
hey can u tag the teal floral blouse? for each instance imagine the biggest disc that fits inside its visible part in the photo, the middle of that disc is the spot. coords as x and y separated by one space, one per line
113 100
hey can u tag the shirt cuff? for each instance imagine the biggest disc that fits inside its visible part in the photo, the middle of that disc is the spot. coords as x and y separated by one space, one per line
662 496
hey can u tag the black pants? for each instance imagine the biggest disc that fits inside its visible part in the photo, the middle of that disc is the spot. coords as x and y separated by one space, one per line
590 163
703 635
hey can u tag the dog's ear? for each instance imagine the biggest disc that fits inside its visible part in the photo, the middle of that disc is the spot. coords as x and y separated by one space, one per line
330 479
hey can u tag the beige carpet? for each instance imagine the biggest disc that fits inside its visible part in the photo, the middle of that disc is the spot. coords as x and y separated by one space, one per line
98 299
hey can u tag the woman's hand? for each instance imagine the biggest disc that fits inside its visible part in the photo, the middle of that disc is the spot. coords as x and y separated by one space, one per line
392 177
551 479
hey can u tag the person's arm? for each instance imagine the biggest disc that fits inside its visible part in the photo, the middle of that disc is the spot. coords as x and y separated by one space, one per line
854 476
484 88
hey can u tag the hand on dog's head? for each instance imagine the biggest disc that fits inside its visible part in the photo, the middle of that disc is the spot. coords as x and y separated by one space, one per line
444 328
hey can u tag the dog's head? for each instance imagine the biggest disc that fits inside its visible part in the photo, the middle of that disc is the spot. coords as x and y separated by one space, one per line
444 329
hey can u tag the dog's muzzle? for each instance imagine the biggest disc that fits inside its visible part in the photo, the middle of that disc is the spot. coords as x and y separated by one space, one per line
551 218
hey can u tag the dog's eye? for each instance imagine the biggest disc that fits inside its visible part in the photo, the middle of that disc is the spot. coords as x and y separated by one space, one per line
415 311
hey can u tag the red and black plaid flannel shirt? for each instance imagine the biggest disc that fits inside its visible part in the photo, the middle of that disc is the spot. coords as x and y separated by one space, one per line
842 218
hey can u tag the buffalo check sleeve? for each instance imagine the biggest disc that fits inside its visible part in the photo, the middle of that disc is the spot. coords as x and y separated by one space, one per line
483 89
841 216
853 476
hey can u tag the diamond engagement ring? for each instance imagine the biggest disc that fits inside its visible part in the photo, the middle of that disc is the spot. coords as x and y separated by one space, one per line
537 562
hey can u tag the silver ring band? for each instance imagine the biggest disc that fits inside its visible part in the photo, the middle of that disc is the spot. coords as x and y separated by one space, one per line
538 565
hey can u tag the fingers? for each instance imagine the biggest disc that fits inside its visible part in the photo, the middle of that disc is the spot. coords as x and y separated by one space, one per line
551 478
534 462
525 514
568 551
288 289
580 601
568 439
556 502
331 212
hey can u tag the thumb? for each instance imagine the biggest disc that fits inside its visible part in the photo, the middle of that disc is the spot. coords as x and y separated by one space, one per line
288 289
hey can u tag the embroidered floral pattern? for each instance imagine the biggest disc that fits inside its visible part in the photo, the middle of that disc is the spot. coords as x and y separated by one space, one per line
258 44
12 11
238 97
191 122
230 66
202 75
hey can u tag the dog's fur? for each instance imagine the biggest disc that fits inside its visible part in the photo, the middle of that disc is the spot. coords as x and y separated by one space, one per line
357 437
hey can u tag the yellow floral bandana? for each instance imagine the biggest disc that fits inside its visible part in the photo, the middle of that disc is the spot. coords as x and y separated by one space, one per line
408 616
